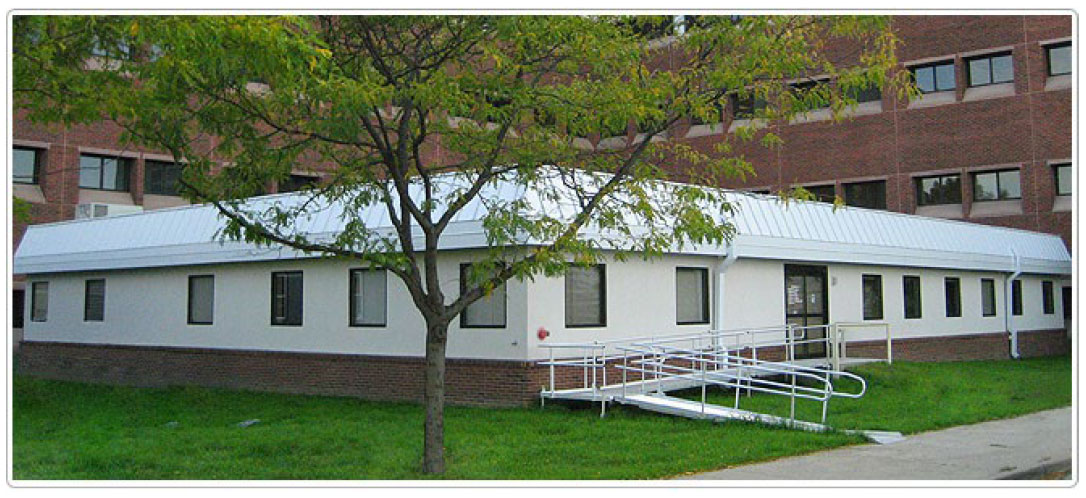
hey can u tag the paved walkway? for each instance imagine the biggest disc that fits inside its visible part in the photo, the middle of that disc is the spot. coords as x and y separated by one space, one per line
1025 448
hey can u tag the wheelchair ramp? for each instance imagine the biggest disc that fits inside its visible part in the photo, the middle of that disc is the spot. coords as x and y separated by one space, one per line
670 405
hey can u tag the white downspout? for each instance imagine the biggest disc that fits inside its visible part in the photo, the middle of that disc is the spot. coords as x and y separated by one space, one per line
718 298
1008 301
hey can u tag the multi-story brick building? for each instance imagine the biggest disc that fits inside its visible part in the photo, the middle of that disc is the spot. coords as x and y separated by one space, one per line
989 141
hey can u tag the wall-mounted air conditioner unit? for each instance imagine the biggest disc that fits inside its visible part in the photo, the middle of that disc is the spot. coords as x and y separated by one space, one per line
97 210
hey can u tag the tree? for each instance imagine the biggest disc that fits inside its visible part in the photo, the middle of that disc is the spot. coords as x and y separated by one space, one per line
393 107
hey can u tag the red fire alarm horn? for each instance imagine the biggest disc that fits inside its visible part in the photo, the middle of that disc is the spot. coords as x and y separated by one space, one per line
542 333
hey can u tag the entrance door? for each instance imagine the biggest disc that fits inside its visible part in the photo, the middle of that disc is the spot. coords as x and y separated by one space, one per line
805 296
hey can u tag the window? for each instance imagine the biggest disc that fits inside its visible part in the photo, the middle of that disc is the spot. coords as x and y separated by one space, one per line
586 296
1048 298
911 287
201 299
952 287
294 183
871 195
691 296
1059 58
872 293
987 297
1016 297
103 173
810 94
997 185
823 193
714 117
18 307
368 300
39 301
747 107
286 298
935 77
161 178
94 300
1064 178
990 69
933 190
25 165
867 94
488 311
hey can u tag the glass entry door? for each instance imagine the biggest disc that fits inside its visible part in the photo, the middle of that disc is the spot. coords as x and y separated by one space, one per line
805 294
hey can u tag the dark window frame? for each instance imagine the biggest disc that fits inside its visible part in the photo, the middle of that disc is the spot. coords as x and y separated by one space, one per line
849 199
351 307
464 269
705 306
124 163
864 279
192 279
601 268
922 199
988 296
933 66
814 191
919 306
1048 57
34 301
87 315
998 174
287 322
151 187
1048 297
1056 179
746 107
35 176
953 306
991 72
1016 297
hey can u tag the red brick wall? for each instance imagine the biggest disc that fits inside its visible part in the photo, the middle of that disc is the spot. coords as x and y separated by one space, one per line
472 382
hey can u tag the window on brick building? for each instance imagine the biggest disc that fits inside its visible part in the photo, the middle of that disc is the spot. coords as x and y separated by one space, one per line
871 195
94 300
488 311
1058 56
691 296
810 93
286 298
997 185
987 297
26 165
822 193
201 299
294 183
911 288
872 295
935 77
161 178
747 107
1048 297
714 117
586 296
104 173
867 94
1064 178
39 301
944 189
369 297
952 288
990 69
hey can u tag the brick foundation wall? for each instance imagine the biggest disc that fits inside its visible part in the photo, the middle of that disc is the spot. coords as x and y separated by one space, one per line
469 382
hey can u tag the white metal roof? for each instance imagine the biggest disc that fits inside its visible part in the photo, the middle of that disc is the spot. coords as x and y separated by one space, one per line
766 228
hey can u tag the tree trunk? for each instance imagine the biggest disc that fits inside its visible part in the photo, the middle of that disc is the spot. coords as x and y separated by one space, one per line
433 458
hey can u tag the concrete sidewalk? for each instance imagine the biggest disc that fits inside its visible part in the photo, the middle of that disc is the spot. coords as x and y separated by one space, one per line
1026 447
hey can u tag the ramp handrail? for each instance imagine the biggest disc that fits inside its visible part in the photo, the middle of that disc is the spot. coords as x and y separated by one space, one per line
839 329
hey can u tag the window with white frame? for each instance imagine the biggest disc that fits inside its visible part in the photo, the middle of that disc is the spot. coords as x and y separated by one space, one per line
486 312
691 296
586 296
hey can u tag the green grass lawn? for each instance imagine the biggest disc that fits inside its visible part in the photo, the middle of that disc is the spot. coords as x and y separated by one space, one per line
67 430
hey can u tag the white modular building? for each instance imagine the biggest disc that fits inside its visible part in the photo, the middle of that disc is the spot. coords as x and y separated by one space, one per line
156 299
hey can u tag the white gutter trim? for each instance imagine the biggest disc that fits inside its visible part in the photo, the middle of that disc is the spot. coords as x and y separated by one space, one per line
726 261
1008 301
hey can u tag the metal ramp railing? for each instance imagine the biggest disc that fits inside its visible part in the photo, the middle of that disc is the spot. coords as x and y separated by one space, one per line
650 366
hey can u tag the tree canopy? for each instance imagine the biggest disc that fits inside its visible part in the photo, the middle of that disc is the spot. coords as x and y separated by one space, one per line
390 107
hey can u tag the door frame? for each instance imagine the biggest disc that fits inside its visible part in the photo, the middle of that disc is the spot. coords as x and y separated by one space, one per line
807 270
